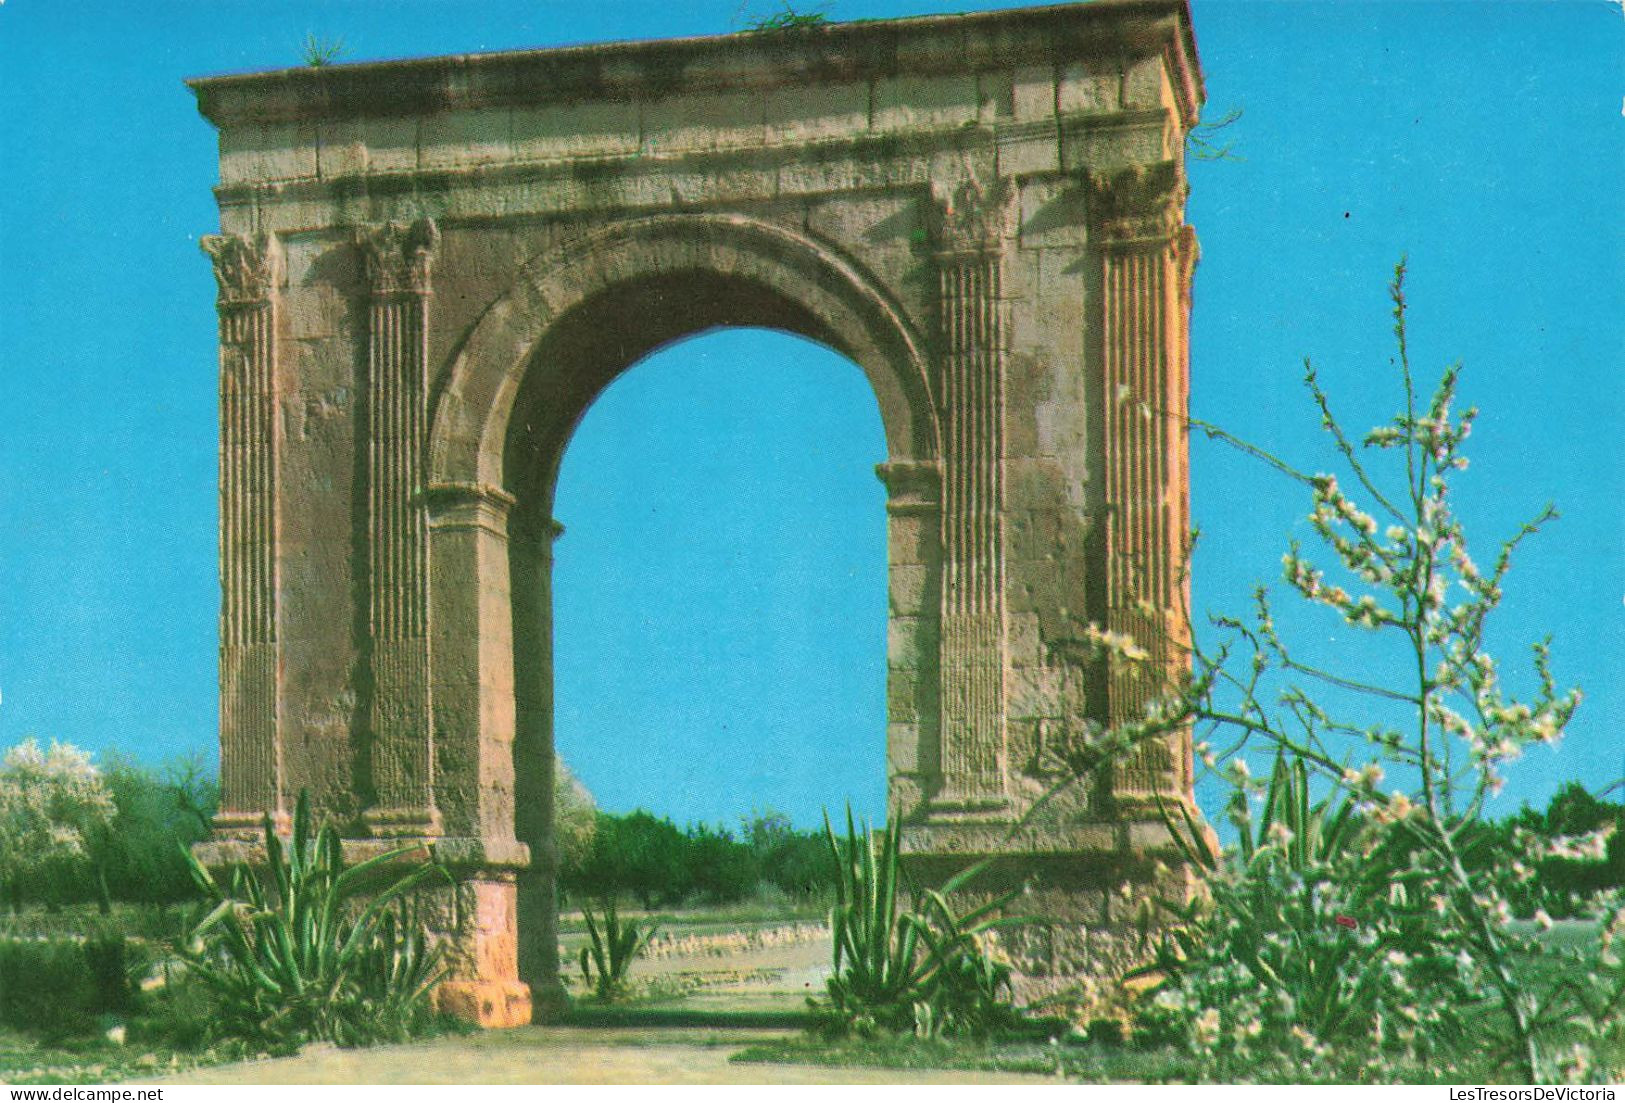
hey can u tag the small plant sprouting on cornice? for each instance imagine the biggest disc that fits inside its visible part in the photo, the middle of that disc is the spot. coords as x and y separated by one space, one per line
1203 144
788 19
318 52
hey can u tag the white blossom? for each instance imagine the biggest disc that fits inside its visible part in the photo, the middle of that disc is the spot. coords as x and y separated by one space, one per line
1592 847
49 800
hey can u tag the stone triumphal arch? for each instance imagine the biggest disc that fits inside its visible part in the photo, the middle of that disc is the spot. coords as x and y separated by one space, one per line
428 270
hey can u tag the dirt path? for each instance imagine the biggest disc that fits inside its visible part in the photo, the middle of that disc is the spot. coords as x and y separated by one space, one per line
571 1055
775 977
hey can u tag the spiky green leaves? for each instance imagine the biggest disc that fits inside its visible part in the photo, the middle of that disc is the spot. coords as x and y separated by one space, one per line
314 950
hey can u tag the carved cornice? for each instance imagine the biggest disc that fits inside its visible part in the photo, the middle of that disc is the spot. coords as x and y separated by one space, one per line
1094 33
969 221
403 823
1142 203
399 256
247 269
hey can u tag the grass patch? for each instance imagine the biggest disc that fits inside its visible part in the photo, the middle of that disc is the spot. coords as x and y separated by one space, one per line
27 1060
146 922
1086 1062
65 987
1104 1062
1066 1060
602 1015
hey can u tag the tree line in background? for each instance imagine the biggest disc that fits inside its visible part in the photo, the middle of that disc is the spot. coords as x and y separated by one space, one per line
1561 884
660 865
73 832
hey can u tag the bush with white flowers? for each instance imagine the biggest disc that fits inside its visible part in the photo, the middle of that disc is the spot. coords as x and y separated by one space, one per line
50 798
1364 962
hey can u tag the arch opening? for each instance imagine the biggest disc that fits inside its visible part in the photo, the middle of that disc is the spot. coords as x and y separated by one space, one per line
720 593
642 328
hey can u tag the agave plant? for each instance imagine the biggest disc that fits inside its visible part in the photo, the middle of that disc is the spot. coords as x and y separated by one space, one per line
971 984
896 969
607 958
315 951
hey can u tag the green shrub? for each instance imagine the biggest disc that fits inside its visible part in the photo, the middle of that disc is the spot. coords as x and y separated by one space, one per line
658 864
1104 1032
45 988
114 966
929 970
612 947
1351 937
721 870
182 1014
635 854
788 18
1154 1026
61 988
138 856
795 862
575 817
318 52
1309 956
327 954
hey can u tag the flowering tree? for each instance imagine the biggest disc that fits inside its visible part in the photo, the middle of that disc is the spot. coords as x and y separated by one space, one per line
49 801
1367 903
575 816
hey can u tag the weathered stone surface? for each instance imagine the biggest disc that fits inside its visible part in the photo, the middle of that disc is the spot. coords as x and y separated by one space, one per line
429 269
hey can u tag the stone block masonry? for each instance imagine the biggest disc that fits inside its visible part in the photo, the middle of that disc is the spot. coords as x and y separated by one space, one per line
428 269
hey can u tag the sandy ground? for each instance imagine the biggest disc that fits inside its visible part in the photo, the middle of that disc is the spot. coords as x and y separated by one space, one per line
778 978
570 1055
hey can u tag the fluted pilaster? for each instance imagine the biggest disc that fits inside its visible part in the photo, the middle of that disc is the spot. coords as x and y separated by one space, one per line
399 259
248 271
1147 257
970 240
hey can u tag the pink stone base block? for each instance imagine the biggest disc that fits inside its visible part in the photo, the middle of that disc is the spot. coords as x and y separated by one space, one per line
489 1004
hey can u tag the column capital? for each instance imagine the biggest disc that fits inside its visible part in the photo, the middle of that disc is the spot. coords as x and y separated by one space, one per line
399 256
1188 252
1138 205
247 269
912 486
469 505
969 220
526 527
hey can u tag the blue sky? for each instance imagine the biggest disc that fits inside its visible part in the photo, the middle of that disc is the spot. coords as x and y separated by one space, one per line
1483 139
